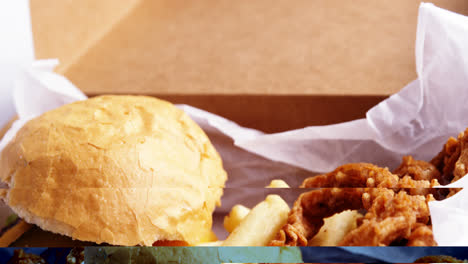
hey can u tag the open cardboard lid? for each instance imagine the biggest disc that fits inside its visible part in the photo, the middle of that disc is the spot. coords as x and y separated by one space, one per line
304 47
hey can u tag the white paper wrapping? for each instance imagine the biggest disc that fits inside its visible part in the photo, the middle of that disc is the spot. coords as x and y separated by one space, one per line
16 50
416 121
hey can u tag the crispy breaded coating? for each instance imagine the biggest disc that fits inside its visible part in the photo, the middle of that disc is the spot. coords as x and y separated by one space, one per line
390 216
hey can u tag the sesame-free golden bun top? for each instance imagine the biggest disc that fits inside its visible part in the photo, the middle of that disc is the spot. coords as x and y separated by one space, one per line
124 170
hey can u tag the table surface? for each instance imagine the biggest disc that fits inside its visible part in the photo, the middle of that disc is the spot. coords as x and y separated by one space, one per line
298 47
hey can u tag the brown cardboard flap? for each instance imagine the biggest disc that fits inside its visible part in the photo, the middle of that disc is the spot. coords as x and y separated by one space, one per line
256 47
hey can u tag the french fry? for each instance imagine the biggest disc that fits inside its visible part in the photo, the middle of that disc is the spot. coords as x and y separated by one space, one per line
278 184
260 226
238 212
335 228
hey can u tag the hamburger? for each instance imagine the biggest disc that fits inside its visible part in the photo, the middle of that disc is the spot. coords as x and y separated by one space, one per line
119 170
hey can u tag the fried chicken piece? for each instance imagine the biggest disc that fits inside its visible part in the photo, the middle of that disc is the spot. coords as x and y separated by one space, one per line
381 204
452 160
421 187
421 236
309 210
369 175
446 159
461 166
378 233
354 175
363 175
390 216
404 216
417 170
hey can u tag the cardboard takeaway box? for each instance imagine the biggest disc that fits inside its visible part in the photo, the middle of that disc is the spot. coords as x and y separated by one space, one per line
272 66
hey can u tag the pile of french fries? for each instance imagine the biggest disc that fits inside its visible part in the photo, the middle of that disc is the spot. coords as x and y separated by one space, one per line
248 227
259 225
